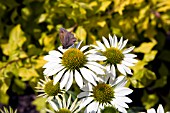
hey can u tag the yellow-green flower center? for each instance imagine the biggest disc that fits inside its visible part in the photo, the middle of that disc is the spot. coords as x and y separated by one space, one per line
113 55
103 93
63 110
109 109
73 59
51 89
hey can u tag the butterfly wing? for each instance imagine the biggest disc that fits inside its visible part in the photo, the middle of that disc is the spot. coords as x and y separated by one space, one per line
67 38
62 35
70 40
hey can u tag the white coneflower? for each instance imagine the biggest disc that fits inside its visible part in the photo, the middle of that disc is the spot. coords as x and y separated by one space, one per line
73 63
116 54
61 106
159 110
107 92
47 89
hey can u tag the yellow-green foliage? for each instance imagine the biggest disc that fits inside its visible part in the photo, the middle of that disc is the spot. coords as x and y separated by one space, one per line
29 29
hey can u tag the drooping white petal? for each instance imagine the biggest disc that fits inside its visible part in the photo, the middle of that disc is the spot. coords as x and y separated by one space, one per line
160 109
106 42
117 80
121 69
73 105
47 70
111 40
92 51
94 57
72 46
131 60
120 108
87 87
86 101
64 101
87 75
94 75
78 79
95 47
122 83
113 71
55 70
92 107
84 48
120 102
96 64
120 43
68 101
83 94
95 69
127 69
108 67
127 63
50 64
55 53
57 77
64 79
152 110
115 41
130 55
124 44
124 99
59 102
60 48
70 81
128 50
52 58
101 106
102 47
78 45
53 105
122 91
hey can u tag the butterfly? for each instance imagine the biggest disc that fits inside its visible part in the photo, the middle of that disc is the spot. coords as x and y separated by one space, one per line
67 39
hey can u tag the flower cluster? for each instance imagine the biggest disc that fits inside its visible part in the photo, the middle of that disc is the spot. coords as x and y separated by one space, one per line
98 70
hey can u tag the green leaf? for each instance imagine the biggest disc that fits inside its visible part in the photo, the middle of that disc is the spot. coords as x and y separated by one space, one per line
145 73
150 74
101 23
161 38
81 33
39 62
27 73
135 109
135 83
42 17
17 37
165 55
40 103
139 65
163 70
149 100
4 86
104 5
162 81
33 50
4 98
20 83
145 47
16 40
48 41
142 78
163 6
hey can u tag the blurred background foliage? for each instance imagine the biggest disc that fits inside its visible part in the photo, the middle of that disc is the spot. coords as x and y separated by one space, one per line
29 30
